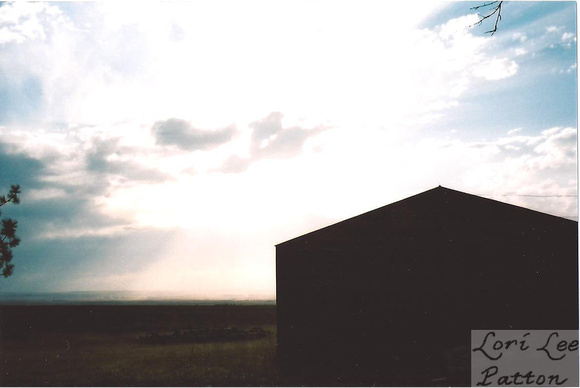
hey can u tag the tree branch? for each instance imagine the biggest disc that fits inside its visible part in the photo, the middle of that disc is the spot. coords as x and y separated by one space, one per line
495 11
12 196
8 239
483 5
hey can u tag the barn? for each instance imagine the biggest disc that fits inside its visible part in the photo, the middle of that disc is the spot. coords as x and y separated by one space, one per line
390 297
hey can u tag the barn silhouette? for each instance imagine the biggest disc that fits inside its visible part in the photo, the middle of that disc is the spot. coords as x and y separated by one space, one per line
390 297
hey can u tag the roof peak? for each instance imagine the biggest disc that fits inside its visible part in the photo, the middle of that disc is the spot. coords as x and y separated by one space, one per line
437 196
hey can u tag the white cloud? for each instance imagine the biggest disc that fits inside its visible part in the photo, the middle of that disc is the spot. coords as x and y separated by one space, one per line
317 189
129 65
568 36
22 21
496 69
540 164
58 233
44 194
530 159
519 37
570 69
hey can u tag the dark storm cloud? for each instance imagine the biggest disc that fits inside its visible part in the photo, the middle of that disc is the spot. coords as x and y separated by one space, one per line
51 203
30 174
68 209
71 204
45 264
180 133
18 168
98 161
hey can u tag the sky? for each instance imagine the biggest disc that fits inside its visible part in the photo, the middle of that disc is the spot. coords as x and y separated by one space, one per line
166 147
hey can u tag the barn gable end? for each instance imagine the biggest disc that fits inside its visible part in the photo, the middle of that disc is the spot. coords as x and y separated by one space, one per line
388 297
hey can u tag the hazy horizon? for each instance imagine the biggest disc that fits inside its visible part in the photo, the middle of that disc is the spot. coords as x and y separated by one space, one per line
124 296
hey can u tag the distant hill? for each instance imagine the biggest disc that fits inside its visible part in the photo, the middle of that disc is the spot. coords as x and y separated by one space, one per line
119 297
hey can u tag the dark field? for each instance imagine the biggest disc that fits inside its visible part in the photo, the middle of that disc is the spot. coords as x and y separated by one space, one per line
99 346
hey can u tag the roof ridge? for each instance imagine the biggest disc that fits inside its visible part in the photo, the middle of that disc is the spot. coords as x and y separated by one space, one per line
438 189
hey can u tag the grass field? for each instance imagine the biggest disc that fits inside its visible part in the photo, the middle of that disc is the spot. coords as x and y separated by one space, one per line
99 346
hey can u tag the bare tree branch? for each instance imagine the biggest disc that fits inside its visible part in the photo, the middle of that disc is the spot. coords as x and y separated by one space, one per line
496 10
483 5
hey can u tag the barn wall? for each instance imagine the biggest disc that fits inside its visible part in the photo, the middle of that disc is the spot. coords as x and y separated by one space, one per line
375 298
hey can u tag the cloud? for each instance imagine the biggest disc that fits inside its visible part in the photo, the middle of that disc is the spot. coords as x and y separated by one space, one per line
570 69
181 134
496 69
20 22
65 233
235 164
567 39
107 157
271 140
519 37
46 205
65 179
514 131
45 193
534 164
83 263
106 185
19 168
568 36
158 51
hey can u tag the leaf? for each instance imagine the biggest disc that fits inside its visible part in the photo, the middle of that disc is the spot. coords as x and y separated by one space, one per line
14 242
8 270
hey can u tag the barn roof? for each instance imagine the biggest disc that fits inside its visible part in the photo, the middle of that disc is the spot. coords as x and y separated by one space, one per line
432 209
